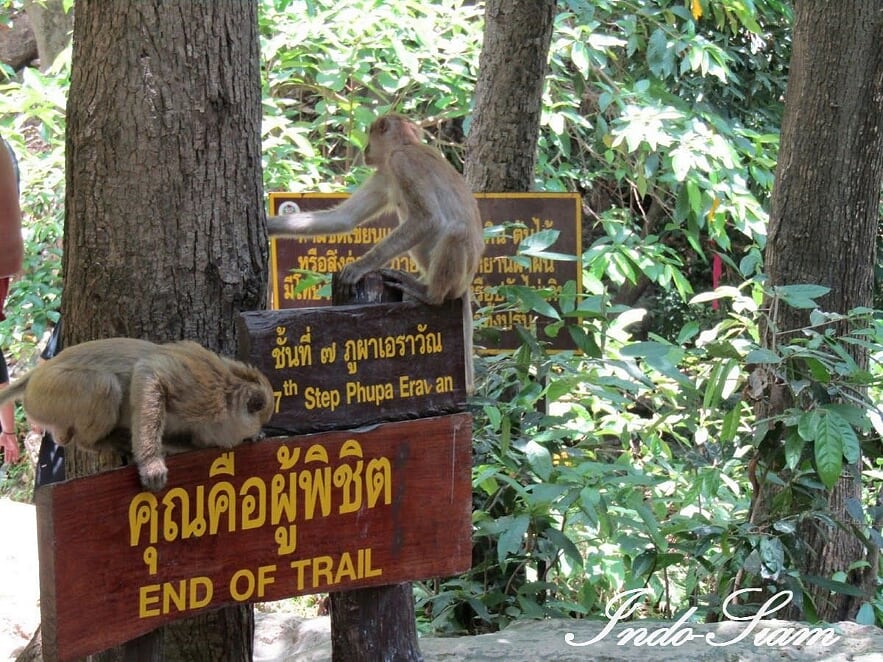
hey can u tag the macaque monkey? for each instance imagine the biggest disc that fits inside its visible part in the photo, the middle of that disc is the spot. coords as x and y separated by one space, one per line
179 391
439 223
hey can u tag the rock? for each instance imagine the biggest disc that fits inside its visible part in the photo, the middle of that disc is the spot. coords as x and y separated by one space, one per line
18 45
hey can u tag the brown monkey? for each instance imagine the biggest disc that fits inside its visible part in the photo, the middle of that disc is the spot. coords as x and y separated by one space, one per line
439 223
180 391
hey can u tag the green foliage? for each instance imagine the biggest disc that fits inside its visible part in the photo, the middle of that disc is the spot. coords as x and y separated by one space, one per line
32 121
669 123
331 67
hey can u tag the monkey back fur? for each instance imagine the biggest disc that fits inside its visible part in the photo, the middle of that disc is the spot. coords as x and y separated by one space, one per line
170 396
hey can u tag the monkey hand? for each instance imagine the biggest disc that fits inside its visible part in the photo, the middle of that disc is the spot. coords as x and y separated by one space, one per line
351 274
153 473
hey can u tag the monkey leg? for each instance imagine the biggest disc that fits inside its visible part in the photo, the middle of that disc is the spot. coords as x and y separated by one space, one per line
79 407
410 287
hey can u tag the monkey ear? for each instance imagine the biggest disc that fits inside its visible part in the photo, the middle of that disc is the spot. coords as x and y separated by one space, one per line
256 402
382 124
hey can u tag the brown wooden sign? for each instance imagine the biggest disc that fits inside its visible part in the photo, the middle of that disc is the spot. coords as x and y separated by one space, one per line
345 366
536 212
265 521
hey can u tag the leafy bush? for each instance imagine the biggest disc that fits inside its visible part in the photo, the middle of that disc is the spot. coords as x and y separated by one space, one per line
32 121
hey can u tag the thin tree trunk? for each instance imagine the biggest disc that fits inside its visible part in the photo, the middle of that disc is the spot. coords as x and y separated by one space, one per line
502 142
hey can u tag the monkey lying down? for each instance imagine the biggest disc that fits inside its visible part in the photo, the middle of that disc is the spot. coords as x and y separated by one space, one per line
179 392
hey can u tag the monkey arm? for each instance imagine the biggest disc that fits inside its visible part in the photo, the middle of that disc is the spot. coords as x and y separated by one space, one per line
368 201
148 422
406 236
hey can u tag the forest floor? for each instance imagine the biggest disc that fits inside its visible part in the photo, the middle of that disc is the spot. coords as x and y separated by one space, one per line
282 633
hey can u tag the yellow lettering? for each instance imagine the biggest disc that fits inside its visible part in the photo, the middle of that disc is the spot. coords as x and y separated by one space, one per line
325 571
322 568
365 569
316 398
444 384
265 578
370 393
345 569
298 566
196 584
148 596
186 594
409 388
235 591
179 597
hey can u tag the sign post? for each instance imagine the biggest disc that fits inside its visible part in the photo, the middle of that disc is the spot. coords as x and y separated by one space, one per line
379 494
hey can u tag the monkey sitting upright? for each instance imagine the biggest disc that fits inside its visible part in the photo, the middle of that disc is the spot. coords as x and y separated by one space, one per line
177 390
439 222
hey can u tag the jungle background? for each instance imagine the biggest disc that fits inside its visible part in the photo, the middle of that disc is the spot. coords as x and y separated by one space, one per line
639 460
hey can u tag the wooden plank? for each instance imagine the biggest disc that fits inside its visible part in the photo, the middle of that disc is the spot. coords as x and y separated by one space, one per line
538 212
266 521
346 366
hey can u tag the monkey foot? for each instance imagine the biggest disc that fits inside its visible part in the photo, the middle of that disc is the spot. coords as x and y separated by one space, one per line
410 287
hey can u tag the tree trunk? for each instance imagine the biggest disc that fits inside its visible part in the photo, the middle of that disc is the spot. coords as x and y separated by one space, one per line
501 157
52 27
825 213
165 235
502 142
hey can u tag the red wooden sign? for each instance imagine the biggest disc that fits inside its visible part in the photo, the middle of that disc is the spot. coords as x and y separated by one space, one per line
265 521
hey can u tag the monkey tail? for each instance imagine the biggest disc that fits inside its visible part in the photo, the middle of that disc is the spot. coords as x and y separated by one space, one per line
14 391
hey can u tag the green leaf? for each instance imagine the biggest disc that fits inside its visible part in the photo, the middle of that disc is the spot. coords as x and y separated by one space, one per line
794 445
808 425
539 458
566 545
829 448
513 535
730 425
848 439
772 557
865 615
647 349
800 296
657 53
644 563
538 242
835 586
585 341
579 53
534 301
761 355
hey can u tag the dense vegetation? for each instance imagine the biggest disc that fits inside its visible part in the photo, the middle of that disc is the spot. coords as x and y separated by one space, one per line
627 464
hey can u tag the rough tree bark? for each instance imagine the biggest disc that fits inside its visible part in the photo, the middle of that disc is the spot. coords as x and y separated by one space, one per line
165 235
502 142
825 214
